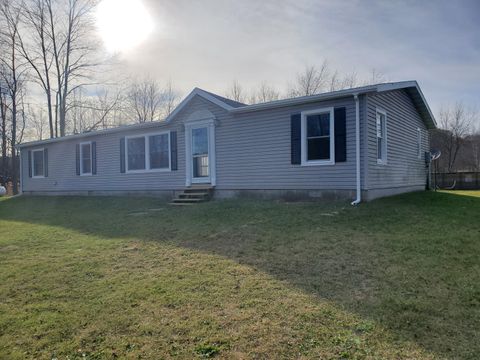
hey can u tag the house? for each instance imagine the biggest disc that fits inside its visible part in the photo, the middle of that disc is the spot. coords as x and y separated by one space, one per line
359 144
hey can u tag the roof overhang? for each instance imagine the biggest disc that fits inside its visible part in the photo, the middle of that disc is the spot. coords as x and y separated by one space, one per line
204 94
411 87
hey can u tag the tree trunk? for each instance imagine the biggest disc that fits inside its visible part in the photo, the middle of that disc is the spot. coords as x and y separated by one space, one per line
3 129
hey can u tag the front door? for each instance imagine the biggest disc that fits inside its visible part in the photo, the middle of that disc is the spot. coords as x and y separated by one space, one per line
200 146
200 157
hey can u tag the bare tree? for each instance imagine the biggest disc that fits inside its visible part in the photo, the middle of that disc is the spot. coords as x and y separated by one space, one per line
235 92
148 101
310 81
94 112
264 93
457 122
3 124
170 99
37 121
38 51
58 49
12 72
145 100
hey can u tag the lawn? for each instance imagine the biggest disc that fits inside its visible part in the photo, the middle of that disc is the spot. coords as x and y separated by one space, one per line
106 278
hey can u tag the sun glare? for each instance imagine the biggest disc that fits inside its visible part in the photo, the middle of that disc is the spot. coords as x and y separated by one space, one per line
123 24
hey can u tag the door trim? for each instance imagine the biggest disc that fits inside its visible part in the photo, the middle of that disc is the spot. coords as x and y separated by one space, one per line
210 125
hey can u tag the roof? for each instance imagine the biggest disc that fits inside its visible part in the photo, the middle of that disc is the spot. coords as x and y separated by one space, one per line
235 107
411 87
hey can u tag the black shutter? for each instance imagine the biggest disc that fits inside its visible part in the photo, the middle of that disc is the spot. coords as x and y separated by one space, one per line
296 141
77 159
122 155
45 162
29 163
173 150
94 157
340 135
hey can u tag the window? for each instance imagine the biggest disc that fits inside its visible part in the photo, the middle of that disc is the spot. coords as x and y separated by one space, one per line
318 137
381 137
159 151
86 158
38 161
148 152
136 153
419 143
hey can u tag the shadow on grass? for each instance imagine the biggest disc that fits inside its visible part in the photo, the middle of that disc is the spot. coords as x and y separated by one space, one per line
409 262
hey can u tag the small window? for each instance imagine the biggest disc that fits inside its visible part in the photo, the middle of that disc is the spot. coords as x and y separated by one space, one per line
419 143
136 153
38 161
159 151
318 137
381 137
86 158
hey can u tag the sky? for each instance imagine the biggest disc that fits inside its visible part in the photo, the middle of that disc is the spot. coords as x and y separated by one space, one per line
210 43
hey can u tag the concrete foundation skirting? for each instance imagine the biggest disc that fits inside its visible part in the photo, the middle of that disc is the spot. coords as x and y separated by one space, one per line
369 195
288 195
161 194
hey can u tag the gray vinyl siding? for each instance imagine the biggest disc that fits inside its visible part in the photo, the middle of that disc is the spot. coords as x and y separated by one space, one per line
403 167
252 152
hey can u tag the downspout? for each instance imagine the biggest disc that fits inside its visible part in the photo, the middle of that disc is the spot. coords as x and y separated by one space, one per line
357 150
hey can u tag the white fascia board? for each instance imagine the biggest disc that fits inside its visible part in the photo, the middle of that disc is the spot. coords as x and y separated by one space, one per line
305 99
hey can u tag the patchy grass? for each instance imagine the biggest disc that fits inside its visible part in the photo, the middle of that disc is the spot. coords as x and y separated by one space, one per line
103 278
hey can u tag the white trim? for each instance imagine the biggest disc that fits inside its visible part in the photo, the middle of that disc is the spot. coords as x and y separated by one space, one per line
82 173
20 190
304 145
384 159
33 163
147 153
202 93
358 177
212 171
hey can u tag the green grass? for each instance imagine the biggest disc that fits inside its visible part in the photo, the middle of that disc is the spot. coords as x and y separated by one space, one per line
105 278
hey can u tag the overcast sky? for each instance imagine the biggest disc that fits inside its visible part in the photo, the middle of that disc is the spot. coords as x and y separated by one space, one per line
210 43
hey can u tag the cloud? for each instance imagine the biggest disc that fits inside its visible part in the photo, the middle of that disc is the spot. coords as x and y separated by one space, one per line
209 43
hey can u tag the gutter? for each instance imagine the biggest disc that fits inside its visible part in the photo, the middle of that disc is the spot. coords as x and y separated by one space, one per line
357 150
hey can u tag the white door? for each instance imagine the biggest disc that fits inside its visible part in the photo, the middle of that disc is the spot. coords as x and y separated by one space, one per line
200 139
200 155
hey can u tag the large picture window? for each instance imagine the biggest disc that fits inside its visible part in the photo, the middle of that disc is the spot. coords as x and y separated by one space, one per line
148 152
381 137
318 137
38 163
86 158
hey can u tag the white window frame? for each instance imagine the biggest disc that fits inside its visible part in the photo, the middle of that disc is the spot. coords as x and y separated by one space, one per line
82 173
147 153
384 159
42 150
304 146
419 143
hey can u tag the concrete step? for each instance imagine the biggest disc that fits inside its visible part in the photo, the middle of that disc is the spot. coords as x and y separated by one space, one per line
202 196
196 190
187 200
